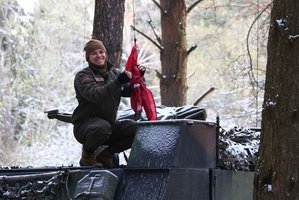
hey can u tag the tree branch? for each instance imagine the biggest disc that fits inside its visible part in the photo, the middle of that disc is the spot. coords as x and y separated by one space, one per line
160 76
247 43
190 75
191 49
153 29
203 96
147 37
193 5
159 6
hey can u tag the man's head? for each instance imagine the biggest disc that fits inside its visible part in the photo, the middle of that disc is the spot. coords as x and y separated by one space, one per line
92 45
95 52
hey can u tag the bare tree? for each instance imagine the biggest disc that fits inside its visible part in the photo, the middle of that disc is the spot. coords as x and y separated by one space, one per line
173 50
277 171
108 26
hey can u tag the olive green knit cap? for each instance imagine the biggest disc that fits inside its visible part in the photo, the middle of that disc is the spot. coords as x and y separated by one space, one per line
92 45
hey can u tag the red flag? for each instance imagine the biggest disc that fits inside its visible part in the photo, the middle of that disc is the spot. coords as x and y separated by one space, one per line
132 59
141 96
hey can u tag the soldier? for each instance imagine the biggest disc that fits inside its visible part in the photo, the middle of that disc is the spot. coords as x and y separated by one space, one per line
99 88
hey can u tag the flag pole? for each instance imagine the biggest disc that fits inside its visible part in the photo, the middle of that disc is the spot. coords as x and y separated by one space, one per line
134 21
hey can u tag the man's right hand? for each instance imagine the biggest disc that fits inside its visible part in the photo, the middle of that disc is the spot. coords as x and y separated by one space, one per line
124 77
129 74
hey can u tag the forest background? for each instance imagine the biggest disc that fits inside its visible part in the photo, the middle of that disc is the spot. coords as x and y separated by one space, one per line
42 49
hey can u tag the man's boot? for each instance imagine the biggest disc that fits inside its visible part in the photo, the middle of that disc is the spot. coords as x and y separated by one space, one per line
89 159
105 158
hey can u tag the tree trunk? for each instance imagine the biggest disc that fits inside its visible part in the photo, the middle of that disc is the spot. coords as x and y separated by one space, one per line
173 55
277 176
108 27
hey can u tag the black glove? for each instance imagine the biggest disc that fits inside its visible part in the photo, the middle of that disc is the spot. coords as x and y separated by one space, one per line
123 78
142 69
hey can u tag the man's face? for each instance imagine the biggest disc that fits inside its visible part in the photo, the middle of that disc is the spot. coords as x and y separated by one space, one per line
98 57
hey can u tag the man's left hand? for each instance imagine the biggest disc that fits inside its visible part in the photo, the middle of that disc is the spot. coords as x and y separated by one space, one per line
142 69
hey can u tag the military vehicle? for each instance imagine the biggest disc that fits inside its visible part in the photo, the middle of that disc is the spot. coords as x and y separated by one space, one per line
178 157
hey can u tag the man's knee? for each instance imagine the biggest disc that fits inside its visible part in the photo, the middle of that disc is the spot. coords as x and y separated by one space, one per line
127 127
99 130
97 133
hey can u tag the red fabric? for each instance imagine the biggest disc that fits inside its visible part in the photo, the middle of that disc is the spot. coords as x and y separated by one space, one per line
141 96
